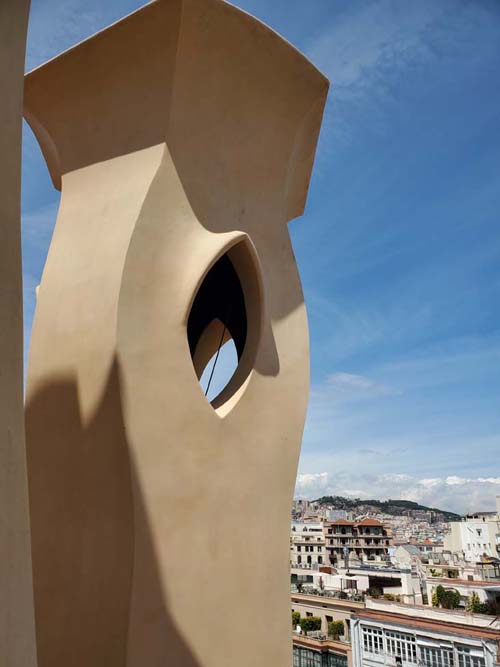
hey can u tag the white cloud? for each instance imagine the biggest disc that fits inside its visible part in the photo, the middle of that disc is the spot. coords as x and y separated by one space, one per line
408 414
430 483
379 34
366 51
451 493
311 484
373 46
396 477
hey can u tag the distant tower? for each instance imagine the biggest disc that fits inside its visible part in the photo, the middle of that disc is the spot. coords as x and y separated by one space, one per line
182 139
17 632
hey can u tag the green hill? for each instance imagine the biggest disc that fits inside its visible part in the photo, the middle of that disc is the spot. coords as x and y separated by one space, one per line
394 507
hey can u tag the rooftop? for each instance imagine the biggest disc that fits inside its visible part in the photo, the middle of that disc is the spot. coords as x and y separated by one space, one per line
369 522
323 644
490 584
411 549
326 602
456 622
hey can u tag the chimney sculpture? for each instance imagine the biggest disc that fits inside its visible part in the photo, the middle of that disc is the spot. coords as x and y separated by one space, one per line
182 139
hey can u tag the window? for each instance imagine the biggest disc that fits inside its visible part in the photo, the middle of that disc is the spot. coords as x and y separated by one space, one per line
373 640
336 660
401 645
309 658
436 656
468 659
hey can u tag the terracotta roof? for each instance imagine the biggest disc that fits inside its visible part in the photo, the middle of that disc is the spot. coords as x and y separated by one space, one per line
369 522
340 522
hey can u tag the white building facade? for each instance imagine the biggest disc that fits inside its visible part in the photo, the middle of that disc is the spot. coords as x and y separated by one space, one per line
307 545
476 536
397 636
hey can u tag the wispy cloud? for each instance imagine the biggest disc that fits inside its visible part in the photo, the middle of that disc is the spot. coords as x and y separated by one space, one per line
350 387
369 48
424 415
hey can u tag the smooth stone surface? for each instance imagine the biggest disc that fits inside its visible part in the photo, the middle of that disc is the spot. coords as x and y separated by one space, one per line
160 522
17 634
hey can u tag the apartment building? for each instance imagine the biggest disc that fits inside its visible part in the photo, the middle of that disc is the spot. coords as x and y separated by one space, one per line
307 545
393 635
475 537
365 540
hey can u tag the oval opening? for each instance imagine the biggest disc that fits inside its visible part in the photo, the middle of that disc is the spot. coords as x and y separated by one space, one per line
224 323
219 370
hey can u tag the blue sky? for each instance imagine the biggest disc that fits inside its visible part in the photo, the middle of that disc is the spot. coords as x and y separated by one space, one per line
399 248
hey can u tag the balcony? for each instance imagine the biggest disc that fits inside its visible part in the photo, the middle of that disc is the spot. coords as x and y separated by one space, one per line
307 566
348 594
